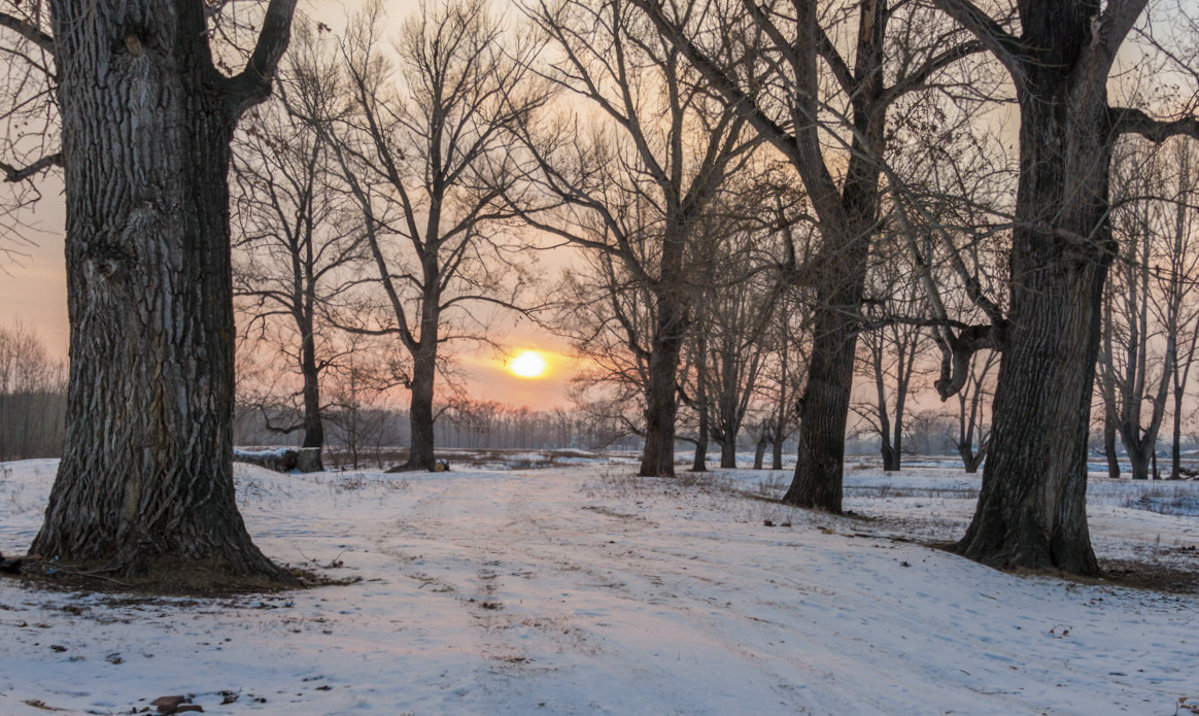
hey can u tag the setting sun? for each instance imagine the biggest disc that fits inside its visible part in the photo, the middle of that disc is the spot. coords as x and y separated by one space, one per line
528 364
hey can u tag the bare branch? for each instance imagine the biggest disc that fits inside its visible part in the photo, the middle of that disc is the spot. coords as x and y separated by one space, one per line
16 174
1128 120
1006 48
253 84
28 31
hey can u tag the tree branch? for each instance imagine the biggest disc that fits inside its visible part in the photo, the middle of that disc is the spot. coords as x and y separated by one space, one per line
931 66
15 174
1113 26
1127 120
1006 48
27 31
253 84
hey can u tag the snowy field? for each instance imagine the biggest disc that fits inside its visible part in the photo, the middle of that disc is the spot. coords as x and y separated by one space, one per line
580 589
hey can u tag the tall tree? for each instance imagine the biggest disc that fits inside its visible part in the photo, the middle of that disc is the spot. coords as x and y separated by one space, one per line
890 352
634 182
147 120
843 178
296 242
426 156
1135 380
1032 509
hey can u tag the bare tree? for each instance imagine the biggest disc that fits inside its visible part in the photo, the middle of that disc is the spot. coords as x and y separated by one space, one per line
607 315
424 153
297 243
146 123
738 311
633 183
1032 509
1136 380
32 397
974 430
891 352
793 110
1178 279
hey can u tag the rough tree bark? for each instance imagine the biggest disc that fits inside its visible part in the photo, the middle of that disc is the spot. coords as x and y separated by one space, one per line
1032 509
146 475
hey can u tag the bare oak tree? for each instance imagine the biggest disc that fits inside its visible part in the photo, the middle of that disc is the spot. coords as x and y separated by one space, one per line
147 119
425 153
1032 509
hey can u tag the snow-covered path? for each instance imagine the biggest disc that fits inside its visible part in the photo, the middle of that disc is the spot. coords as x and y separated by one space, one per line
582 590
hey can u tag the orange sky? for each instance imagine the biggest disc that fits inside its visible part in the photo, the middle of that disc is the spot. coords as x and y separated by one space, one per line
33 292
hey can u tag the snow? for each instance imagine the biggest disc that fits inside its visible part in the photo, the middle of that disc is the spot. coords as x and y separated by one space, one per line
582 589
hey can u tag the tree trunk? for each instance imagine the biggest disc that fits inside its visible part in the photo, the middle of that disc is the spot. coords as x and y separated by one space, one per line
1138 460
1176 439
728 450
847 227
146 477
970 460
824 407
661 394
700 463
1032 509
760 452
420 412
314 429
776 457
1109 444
890 457
897 430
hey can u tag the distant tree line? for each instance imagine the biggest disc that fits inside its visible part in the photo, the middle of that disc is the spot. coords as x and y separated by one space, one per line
32 397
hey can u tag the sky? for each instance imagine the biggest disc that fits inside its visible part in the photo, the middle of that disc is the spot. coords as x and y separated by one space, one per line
33 293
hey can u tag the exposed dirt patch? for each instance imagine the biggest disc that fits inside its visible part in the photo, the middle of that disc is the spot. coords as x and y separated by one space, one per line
192 581
1144 575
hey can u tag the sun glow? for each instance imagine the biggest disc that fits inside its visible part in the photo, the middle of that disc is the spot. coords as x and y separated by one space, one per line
528 364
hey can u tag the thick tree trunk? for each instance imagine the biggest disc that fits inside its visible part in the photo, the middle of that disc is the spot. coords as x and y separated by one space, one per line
824 407
846 232
420 412
1032 509
146 478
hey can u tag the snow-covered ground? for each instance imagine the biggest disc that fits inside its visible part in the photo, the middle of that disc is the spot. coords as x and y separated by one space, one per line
581 589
